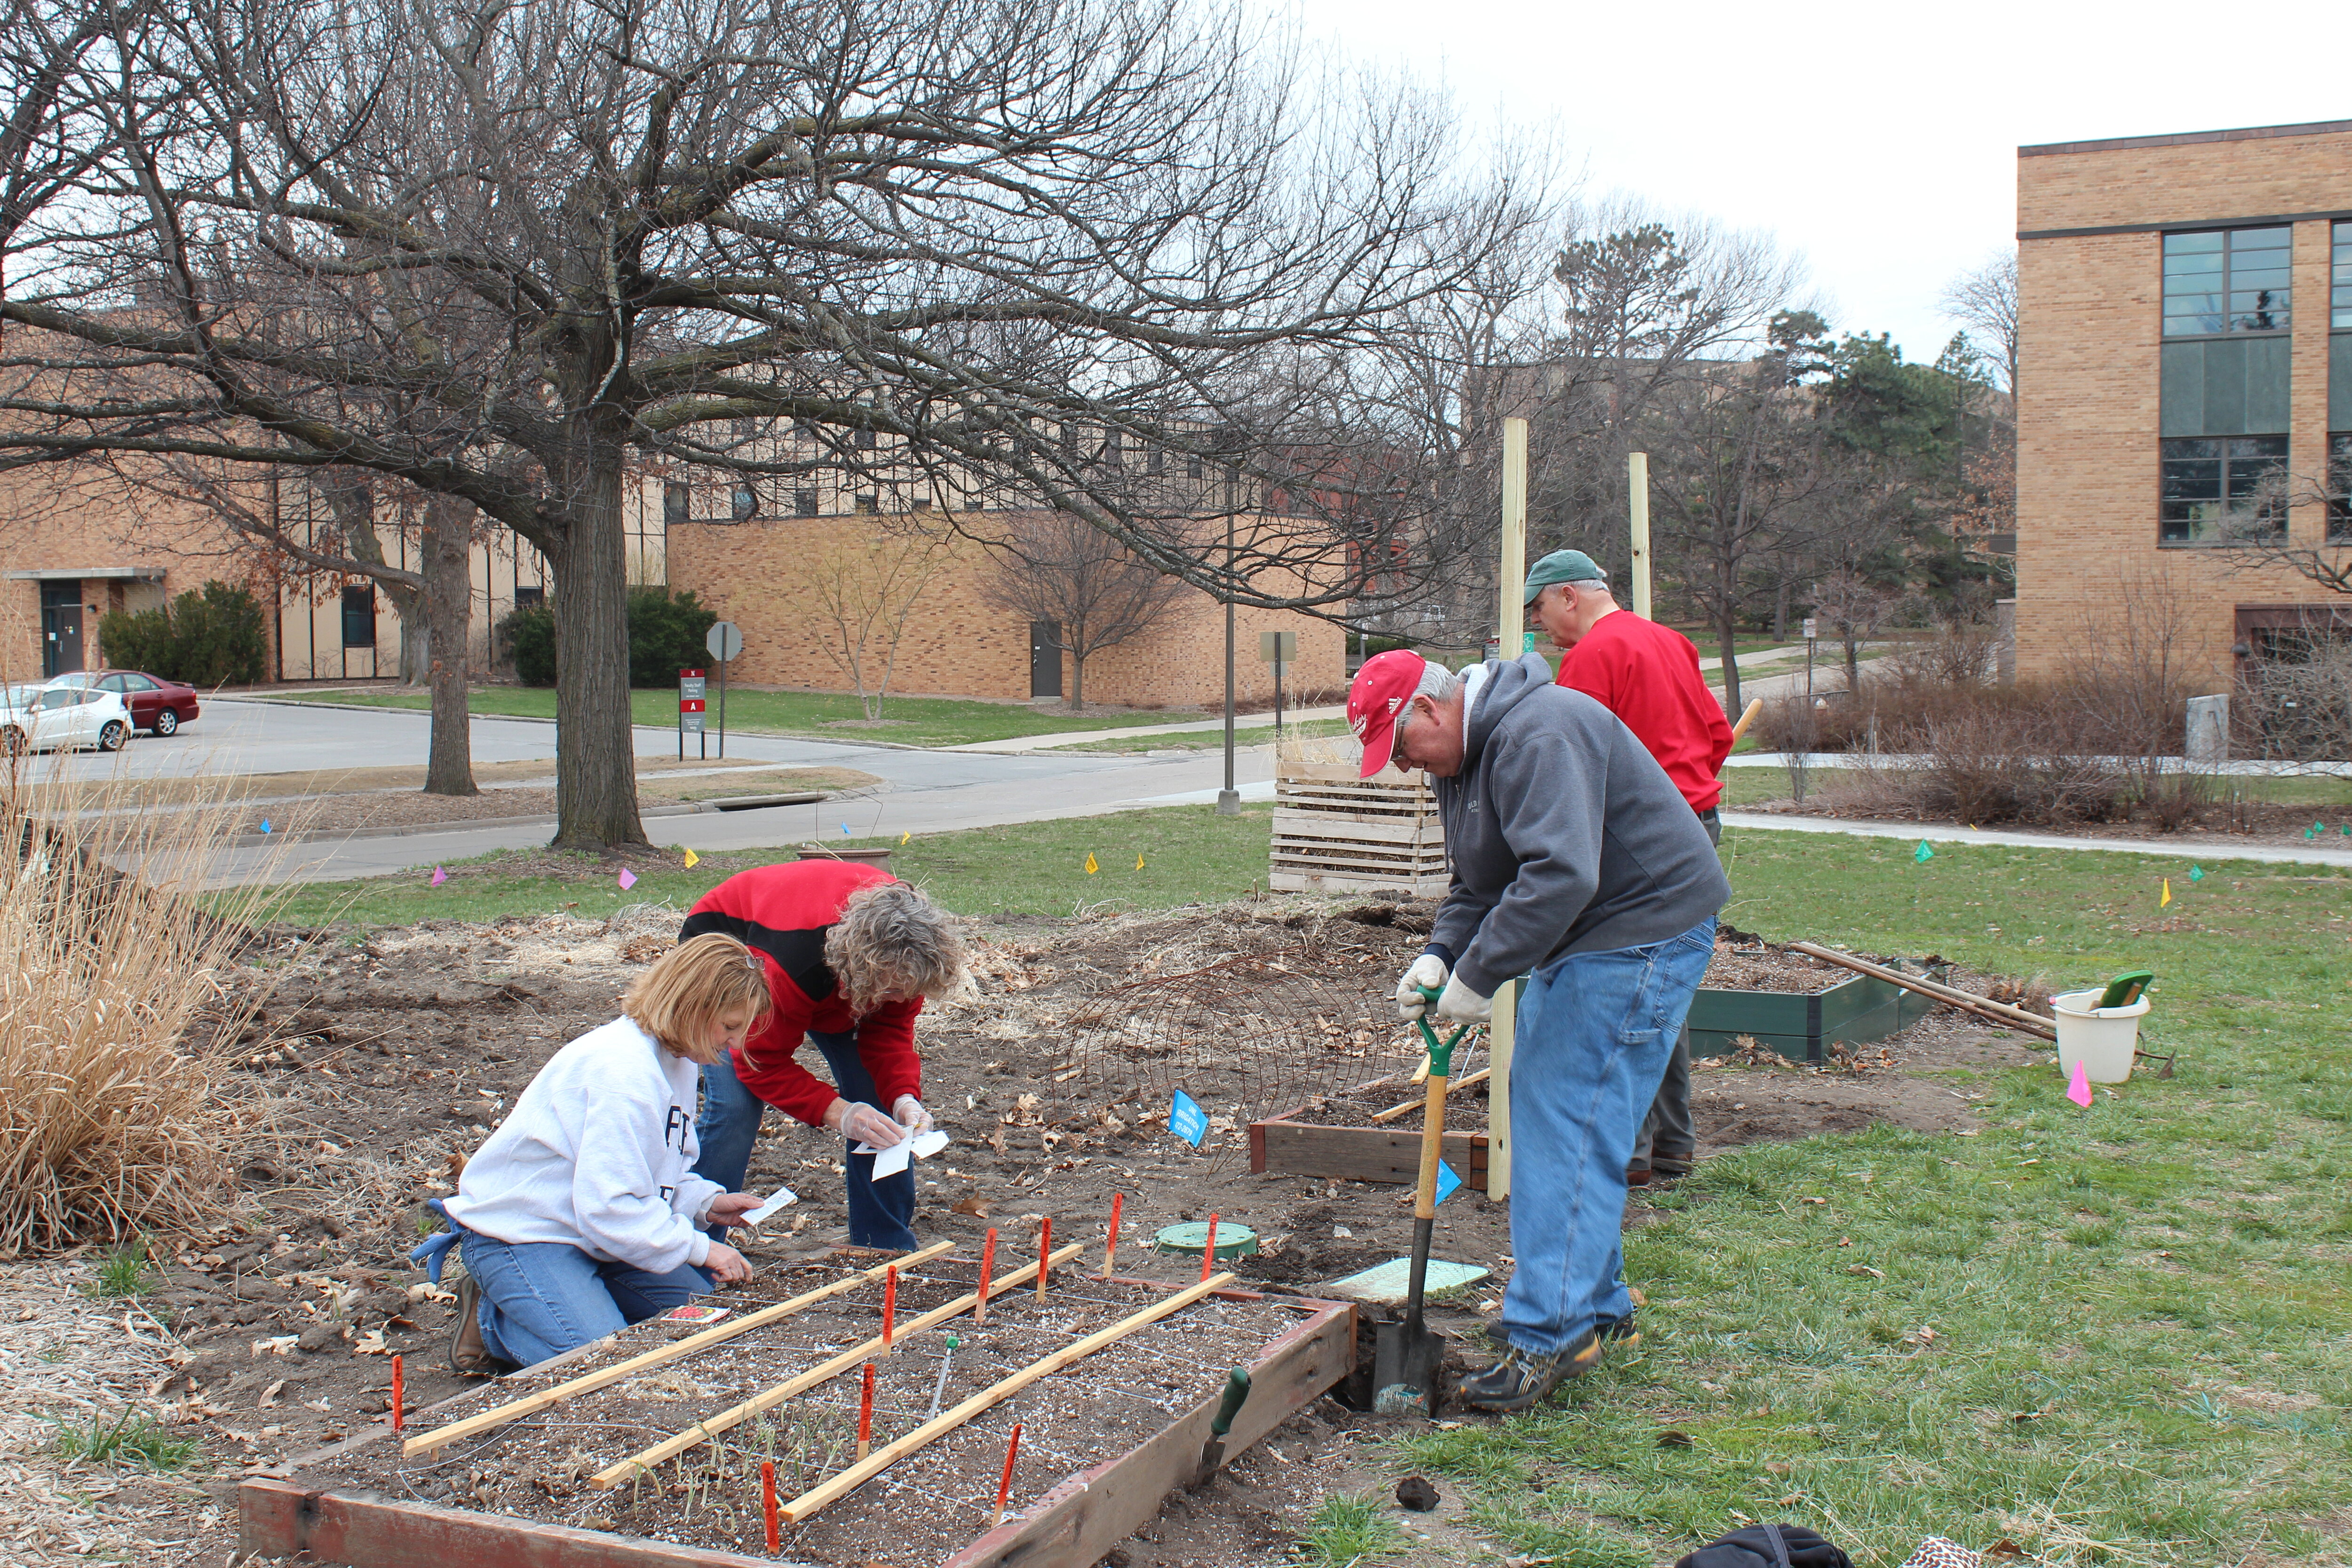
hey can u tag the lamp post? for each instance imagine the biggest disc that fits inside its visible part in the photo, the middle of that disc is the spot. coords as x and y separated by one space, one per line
1229 799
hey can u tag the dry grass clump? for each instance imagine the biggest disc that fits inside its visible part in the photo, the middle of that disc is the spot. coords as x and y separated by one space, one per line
113 1118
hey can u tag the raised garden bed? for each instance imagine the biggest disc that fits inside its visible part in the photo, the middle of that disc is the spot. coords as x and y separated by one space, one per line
1102 1441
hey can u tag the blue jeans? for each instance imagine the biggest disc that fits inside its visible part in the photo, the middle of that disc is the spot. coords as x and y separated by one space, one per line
540 1298
1594 1031
881 1214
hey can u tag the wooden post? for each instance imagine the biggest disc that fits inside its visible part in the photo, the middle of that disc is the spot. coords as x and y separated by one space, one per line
768 1504
987 1272
456 1430
1209 1248
1637 500
767 1399
882 1459
1004 1486
1045 1247
1110 1241
396 1412
1512 576
866 1413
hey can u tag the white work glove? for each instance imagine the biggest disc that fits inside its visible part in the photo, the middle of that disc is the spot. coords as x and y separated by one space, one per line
861 1123
1460 1005
1427 970
911 1114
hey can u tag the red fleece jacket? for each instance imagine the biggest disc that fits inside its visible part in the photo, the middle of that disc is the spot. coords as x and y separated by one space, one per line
781 913
1648 676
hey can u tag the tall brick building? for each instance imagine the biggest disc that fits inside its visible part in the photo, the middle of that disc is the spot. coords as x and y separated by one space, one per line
2185 383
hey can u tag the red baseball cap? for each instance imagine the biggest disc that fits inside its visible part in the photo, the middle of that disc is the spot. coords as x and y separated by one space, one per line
1377 694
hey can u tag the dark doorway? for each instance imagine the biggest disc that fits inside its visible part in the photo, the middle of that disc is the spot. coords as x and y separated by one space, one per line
1044 658
60 628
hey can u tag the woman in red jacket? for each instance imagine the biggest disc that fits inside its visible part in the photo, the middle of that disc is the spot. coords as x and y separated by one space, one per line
851 952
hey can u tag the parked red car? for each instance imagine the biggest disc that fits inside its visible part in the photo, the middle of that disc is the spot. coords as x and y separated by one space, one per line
155 703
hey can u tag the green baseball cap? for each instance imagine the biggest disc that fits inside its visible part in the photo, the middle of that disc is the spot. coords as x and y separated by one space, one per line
1561 566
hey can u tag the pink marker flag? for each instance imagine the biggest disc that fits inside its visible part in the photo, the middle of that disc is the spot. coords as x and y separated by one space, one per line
628 878
2079 1090
439 876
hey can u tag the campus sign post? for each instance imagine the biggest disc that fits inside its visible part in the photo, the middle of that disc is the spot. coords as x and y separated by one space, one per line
690 685
724 641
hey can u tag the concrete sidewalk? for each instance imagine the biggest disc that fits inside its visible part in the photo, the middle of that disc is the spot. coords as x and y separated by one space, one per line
2210 846
1258 729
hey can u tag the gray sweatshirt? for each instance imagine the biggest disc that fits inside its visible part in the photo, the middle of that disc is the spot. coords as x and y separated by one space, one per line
1563 835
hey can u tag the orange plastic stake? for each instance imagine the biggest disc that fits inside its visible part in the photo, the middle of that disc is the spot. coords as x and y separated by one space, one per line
768 1502
396 1414
889 1305
1005 1487
1209 1251
1110 1242
865 1414
987 1273
1045 1252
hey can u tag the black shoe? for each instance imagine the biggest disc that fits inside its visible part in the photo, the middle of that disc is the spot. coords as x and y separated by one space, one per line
468 1356
1521 1378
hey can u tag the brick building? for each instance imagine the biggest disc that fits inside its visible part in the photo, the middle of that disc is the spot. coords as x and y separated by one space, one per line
2185 317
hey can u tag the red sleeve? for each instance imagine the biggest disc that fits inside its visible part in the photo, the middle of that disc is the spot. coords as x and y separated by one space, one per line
1587 668
885 1044
766 1061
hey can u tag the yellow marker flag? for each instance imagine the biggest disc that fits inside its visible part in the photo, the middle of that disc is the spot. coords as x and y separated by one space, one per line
904 836
691 858
2167 894
1091 867
1138 859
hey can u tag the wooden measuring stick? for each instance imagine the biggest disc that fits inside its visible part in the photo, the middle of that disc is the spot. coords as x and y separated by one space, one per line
458 1430
768 1503
890 1307
704 1430
1005 1487
396 1394
987 1271
1110 1241
1747 717
1045 1246
882 1459
1969 1001
1393 1111
1209 1249
866 1413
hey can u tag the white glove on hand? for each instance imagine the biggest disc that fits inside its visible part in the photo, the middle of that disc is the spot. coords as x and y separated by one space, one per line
1427 970
911 1114
862 1123
1460 1005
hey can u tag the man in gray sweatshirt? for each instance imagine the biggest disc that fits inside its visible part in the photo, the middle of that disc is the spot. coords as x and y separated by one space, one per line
1575 861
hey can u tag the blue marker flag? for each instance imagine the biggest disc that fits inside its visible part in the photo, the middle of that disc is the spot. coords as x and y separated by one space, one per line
845 830
1187 1119
1446 1181
265 825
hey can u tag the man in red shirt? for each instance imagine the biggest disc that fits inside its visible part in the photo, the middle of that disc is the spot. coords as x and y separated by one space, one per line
1648 676
850 953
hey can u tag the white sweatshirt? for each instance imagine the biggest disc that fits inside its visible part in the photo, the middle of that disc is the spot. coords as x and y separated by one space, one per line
597 1153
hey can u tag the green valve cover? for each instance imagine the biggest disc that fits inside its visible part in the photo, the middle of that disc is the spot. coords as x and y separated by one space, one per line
1233 1240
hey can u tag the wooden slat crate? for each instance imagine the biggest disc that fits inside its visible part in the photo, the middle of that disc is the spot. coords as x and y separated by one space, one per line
1335 832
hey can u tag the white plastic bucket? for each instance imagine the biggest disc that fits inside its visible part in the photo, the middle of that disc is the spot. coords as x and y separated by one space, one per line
2101 1038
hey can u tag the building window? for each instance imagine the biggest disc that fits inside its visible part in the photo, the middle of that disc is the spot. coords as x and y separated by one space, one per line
1192 465
805 501
2227 280
1155 462
678 503
2217 490
861 441
2339 279
359 616
529 598
865 503
2339 488
743 501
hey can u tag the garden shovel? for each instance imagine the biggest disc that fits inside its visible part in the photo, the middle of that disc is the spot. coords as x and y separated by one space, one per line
1213 1452
1406 1355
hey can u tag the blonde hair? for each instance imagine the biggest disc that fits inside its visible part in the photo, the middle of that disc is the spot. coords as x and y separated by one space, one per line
890 940
690 987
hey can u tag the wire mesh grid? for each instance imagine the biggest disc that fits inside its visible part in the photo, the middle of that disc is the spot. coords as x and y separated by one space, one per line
1246 1037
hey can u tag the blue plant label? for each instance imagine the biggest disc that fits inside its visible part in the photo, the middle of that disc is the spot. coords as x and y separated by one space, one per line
1187 1119
265 825
1446 1181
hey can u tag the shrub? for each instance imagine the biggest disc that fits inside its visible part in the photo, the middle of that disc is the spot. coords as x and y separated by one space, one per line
211 636
665 633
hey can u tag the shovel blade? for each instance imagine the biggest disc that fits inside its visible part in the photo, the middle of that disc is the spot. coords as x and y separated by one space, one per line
1405 1359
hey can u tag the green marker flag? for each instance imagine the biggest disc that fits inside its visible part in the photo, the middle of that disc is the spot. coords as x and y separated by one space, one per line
2195 873
1923 854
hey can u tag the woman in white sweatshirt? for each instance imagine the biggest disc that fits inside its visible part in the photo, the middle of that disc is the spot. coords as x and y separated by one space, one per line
582 1213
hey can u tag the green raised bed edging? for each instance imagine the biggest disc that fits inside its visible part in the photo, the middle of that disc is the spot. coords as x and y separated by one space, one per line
1802 1027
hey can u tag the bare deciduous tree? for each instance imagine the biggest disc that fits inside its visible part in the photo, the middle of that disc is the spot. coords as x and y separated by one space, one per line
497 249
866 592
1984 301
1055 568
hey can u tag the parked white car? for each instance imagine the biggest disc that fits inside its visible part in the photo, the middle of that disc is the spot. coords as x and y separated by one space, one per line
62 719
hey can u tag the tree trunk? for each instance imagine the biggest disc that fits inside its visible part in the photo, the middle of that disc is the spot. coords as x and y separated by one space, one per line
1727 634
448 602
595 753
1077 679
1780 611
1853 663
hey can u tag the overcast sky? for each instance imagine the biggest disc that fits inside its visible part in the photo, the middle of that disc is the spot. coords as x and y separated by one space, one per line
1878 141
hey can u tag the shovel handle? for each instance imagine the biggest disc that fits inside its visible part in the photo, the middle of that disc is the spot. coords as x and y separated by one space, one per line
1441 1053
1237 1387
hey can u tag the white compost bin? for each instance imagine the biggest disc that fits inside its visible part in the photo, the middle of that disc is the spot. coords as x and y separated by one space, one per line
2101 1038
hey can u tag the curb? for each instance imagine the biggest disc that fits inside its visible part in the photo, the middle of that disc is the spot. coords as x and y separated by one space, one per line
538 819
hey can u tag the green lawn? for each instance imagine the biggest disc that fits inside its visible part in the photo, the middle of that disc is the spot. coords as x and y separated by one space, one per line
1753 786
909 721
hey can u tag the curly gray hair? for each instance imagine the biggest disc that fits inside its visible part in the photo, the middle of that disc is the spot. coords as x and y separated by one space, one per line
891 943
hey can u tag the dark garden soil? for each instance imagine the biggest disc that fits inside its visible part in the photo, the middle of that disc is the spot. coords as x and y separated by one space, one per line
378 1066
